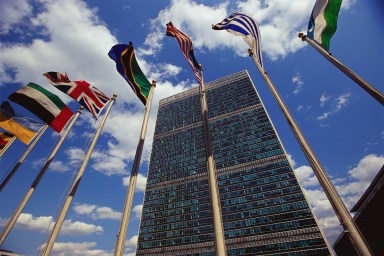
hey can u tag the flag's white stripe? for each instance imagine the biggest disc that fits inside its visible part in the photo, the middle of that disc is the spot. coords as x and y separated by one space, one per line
320 22
41 98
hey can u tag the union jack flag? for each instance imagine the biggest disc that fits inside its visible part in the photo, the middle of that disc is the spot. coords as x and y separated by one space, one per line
88 96
186 48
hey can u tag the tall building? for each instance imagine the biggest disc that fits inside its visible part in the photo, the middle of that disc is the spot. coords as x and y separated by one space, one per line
263 207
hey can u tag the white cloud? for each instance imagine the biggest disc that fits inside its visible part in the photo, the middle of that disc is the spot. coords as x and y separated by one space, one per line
337 105
297 80
138 209
291 161
141 182
77 249
45 223
324 116
367 168
306 176
132 242
97 212
79 228
11 13
324 99
58 166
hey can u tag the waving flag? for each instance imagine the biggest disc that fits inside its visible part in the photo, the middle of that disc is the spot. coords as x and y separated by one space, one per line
243 25
24 128
88 96
186 48
44 104
323 22
129 69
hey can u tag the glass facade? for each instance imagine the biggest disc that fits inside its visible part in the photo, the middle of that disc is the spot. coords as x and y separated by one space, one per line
264 210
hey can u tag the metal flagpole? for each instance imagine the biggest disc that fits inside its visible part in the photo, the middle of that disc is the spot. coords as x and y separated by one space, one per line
120 244
9 143
76 183
361 82
36 182
212 178
22 158
338 206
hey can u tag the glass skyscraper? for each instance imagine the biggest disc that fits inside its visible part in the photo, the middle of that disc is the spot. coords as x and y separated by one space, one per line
263 207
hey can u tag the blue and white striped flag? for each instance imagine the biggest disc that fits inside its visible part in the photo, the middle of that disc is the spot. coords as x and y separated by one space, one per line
243 25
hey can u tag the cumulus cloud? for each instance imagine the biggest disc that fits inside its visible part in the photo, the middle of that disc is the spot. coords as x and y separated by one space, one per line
12 12
350 189
138 209
279 21
130 246
76 249
96 212
46 223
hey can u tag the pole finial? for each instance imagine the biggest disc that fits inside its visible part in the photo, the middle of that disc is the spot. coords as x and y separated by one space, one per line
154 82
250 52
302 36
114 96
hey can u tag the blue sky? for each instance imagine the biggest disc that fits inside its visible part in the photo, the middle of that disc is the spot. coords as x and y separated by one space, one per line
343 124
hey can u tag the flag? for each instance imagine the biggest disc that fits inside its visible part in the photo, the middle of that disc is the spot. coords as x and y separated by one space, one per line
186 48
24 128
129 69
243 25
44 104
323 22
88 96
5 139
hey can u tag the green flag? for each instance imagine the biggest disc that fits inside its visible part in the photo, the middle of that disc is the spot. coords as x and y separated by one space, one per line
129 69
323 22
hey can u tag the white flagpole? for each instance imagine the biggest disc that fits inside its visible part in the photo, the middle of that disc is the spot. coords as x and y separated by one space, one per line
338 206
36 182
76 183
212 178
22 158
357 79
9 143
120 244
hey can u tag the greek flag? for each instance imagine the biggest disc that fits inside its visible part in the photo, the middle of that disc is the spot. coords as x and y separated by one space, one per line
243 25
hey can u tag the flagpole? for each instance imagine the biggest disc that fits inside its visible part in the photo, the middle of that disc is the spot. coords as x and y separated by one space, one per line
36 182
337 204
9 143
22 158
212 177
357 79
76 183
120 244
